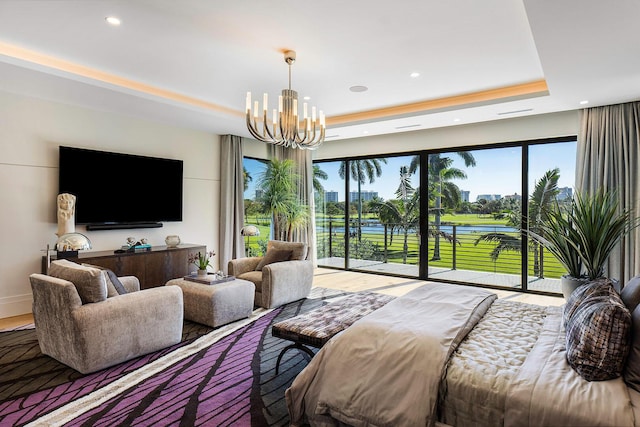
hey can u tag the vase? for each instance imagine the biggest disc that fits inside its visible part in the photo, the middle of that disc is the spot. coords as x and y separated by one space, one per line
172 241
570 284
202 272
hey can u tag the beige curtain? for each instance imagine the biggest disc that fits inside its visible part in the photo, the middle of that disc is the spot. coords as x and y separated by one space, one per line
609 157
231 200
304 164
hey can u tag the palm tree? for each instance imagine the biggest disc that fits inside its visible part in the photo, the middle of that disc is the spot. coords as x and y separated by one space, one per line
247 178
360 171
443 191
403 212
540 201
278 183
319 174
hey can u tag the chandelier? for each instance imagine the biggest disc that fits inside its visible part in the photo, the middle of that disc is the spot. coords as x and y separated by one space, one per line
288 130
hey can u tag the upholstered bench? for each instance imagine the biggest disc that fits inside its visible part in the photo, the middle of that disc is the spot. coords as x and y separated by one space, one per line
317 327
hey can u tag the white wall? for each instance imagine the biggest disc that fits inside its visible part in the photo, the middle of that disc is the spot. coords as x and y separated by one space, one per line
505 130
31 131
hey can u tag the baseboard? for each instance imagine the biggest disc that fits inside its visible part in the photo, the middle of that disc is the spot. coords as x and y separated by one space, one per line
15 305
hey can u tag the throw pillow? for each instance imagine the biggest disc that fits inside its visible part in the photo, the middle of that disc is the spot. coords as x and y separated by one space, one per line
298 249
631 372
273 255
114 285
89 282
594 288
631 293
597 340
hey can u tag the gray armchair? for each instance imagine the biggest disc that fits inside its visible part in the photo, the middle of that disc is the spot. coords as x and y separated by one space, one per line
281 276
79 326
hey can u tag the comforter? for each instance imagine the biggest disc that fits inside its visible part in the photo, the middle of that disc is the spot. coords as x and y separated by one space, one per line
386 368
406 364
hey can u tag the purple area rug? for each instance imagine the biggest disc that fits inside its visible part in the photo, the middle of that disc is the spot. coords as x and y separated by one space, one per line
222 377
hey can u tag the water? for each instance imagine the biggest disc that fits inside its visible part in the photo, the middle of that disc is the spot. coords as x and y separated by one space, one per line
377 228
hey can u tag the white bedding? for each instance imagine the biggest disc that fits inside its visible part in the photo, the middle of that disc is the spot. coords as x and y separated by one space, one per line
510 370
480 370
385 369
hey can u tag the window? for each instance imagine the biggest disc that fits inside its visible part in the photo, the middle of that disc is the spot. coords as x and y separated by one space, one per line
369 217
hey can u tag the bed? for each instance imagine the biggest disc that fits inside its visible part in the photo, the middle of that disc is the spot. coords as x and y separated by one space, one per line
455 355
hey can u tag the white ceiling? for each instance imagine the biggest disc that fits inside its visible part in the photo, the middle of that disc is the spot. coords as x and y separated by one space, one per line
191 62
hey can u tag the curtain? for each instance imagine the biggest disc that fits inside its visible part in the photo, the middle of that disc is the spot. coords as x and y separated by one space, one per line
304 168
609 157
231 200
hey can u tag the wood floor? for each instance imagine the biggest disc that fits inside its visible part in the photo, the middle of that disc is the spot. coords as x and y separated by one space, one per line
353 282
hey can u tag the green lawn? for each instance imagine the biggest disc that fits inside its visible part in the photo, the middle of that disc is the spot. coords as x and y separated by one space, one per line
468 256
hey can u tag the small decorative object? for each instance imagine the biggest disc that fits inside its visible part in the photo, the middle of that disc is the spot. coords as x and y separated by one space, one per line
131 241
69 244
172 241
202 261
144 241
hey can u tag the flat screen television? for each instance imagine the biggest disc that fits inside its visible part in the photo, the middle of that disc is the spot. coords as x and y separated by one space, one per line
115 190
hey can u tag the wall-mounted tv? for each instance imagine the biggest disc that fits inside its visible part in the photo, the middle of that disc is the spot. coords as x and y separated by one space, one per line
115 190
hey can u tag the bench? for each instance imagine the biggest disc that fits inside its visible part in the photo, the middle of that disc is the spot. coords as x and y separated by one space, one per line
318 326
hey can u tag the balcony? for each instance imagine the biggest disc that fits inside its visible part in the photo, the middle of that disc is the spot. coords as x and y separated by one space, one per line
461 256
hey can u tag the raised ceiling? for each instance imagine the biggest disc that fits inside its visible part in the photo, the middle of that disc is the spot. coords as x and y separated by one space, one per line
190 62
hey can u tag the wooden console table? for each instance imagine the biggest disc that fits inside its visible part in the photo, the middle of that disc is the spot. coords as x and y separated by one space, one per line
153 268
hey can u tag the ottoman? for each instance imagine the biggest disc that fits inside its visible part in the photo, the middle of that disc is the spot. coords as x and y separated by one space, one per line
217 304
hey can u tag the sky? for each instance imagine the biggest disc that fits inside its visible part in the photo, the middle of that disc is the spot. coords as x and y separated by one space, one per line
497 171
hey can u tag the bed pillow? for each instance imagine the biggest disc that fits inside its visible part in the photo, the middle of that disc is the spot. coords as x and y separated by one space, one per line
273 255
594 288
597 337
630 294
631 372
89 282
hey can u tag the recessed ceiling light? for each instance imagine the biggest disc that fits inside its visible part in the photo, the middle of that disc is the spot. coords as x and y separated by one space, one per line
306 98
112 20
365 132
414 75
358 88
584 102
456 119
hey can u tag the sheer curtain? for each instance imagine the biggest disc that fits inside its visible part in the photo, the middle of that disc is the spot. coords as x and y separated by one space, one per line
609 158
304 168
231 200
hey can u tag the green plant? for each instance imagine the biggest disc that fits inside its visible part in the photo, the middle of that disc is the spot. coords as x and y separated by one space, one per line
583 235
202 261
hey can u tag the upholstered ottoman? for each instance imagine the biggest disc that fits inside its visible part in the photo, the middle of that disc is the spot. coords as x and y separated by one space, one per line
217 304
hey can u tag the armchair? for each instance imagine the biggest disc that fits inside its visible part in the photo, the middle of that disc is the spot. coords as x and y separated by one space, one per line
284 276
79 326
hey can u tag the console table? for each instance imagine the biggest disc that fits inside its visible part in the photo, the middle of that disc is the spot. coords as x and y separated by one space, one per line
153 268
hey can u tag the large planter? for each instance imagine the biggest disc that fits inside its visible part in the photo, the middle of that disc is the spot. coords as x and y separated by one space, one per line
570 284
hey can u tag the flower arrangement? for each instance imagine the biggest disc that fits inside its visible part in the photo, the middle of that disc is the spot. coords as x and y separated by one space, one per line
202 261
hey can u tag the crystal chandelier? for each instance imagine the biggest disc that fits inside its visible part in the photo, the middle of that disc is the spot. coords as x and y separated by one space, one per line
288 130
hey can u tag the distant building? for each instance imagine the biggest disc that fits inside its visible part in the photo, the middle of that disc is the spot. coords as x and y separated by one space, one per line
259 194
331 196
488 197
365 195
515 196
464 195
564 193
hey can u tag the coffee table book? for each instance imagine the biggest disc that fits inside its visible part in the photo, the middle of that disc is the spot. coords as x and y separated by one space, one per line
209 279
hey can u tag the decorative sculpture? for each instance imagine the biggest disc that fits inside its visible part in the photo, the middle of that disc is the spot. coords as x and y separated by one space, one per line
66 214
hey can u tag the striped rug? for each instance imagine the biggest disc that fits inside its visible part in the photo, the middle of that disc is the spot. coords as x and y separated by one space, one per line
221 377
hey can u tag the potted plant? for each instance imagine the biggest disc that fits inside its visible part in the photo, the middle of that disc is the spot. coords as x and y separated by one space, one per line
583 234
202 261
